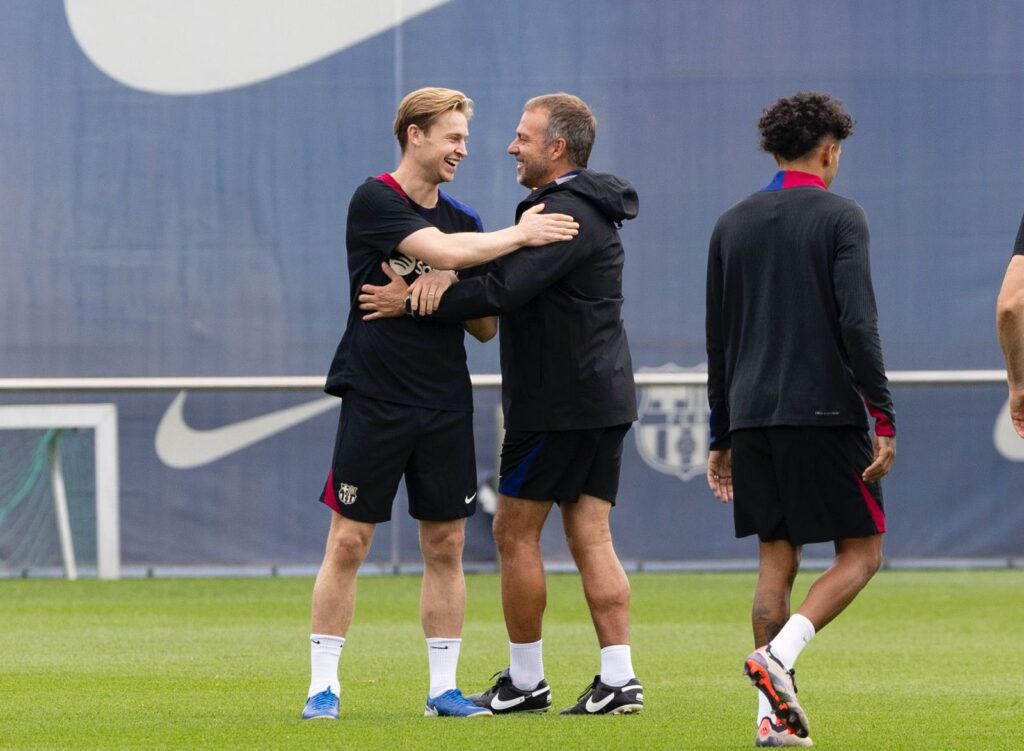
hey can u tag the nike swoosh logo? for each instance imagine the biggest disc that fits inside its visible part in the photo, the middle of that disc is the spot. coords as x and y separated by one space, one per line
501 705
1007 442
597 706
203 46
469 498
180 446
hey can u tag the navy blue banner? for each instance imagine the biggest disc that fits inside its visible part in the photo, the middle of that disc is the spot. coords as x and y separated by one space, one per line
173 189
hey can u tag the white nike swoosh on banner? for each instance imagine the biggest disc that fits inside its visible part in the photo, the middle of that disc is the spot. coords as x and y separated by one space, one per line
1007 442
597 706
183 447
202 46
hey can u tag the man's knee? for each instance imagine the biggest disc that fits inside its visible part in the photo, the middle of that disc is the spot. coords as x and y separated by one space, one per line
442 543
864 555
347 546
517 528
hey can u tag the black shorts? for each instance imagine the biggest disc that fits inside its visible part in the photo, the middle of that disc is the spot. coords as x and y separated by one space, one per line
380 441
562 465
804 484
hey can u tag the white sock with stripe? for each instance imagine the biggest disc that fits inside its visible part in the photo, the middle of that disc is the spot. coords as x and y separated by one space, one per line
443 658
792 639
324 654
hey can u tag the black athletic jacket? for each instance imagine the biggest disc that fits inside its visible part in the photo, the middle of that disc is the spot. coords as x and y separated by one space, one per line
792 331
565 362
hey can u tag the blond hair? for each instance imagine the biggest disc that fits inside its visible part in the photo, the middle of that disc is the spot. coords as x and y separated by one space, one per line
570 118
423 106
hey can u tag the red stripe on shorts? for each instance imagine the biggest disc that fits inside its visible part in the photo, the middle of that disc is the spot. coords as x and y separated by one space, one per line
877 515
329 498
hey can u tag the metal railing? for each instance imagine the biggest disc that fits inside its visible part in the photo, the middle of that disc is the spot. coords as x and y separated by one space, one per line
480 380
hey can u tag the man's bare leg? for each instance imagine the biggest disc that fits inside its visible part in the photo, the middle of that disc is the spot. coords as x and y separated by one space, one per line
334 597
517 528
779 563
857 560
442 599
604 581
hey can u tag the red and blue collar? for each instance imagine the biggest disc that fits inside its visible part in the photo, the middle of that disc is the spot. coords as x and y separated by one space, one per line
794 179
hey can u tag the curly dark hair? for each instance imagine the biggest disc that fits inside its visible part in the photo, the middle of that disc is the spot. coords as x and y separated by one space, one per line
794 125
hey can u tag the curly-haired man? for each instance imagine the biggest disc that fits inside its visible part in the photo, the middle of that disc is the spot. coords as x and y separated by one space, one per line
793 359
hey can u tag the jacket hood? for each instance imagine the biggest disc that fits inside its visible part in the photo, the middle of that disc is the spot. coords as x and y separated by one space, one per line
615 197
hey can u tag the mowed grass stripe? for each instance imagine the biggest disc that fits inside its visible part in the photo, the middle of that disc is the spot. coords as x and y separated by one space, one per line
921 660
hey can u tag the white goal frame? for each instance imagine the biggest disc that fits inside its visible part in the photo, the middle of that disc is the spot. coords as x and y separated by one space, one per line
102 420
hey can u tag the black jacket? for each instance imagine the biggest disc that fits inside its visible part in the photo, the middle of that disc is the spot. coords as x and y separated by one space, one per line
792 329
565 361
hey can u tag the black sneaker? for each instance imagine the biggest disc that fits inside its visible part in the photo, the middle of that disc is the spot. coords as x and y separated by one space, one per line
503 697
599 698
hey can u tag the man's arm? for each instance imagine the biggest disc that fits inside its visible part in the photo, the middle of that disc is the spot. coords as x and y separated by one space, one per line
482 329
858 321
1010 326
460 250
718 396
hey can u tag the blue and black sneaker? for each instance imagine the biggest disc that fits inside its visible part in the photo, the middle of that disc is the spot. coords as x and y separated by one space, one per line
322 706
453 704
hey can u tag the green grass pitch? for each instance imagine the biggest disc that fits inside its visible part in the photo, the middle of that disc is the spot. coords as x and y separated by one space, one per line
922 660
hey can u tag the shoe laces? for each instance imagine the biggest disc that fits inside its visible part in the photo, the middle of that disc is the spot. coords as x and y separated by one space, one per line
455 695
589 689
323 700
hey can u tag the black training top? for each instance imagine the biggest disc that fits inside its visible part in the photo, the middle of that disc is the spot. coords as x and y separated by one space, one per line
398 359
565 362
792 331
1018 247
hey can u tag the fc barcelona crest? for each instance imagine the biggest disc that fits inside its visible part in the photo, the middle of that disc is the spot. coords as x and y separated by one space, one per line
347 494
672 430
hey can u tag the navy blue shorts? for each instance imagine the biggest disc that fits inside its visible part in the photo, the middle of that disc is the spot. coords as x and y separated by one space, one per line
804 484
562 465
379 442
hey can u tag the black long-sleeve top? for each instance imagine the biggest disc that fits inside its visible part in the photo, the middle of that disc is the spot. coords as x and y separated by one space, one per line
791 321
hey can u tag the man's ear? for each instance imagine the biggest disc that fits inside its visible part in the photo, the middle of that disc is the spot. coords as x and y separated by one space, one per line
414 135
829 153
558 149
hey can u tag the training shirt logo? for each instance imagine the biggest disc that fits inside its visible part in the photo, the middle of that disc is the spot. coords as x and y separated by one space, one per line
672 429
347 494
404 265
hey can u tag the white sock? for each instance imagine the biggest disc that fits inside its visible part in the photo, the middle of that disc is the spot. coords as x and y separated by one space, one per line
792 639
764 708
324 653
443 657
616 665
526 664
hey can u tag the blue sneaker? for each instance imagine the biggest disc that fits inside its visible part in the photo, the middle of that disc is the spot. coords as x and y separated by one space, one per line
453 704
322 706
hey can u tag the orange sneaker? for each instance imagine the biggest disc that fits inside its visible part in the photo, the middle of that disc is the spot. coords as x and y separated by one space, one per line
771 678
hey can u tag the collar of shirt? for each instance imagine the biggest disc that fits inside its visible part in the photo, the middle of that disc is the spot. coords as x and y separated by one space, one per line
794 179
